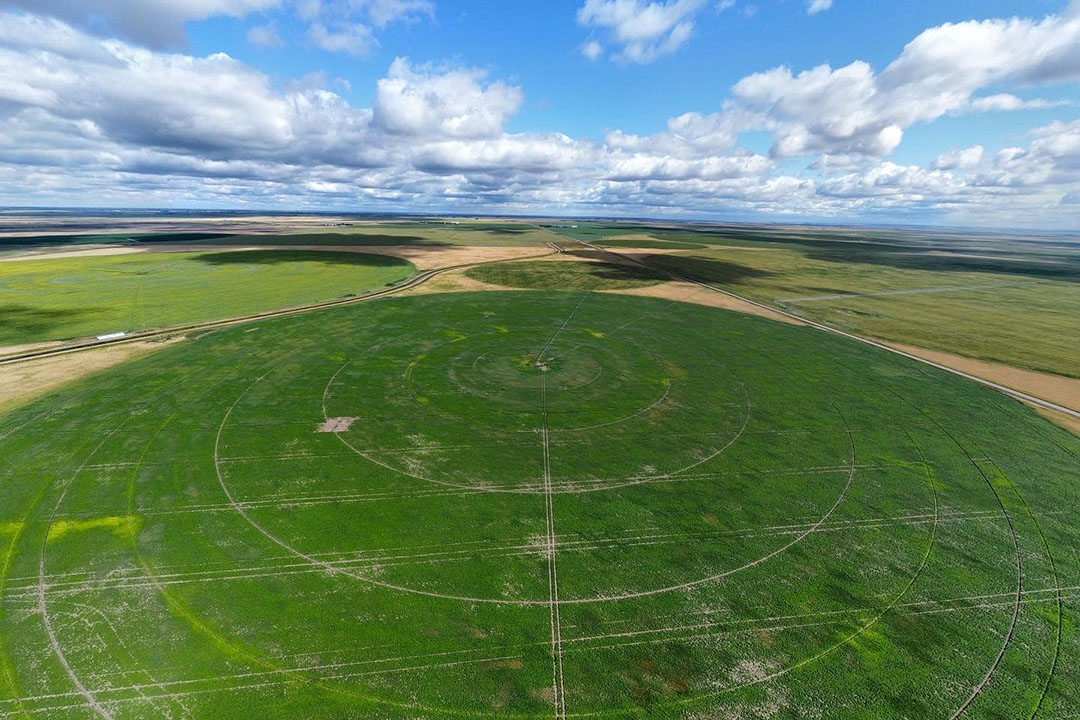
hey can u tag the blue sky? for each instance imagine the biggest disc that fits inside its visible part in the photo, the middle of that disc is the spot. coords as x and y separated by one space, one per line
846 110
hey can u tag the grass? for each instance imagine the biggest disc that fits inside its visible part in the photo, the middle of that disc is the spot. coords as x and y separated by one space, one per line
749 519
1025 321
1007 299
566 275
60 298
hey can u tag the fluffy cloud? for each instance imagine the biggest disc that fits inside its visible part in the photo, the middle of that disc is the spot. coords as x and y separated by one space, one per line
348 26
813 7
854 110
960 159
643 30
1052 159
453 103
86 120
156 23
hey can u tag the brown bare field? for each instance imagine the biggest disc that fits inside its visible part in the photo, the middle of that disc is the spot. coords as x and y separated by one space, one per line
690 293
1055 388
24 381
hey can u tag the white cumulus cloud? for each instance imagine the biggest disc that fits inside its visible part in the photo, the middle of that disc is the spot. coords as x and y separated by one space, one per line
966 159
855 110
643 30
452 103
86 120
348 26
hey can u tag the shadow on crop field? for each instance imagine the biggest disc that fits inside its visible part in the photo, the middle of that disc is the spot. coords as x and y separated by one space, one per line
617 272
16 320
111 239
273 257
1058 267
706 269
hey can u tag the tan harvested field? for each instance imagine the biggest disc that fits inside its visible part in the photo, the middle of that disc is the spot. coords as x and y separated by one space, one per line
25 381
9 350
86 251
1055 388
690 293
423 257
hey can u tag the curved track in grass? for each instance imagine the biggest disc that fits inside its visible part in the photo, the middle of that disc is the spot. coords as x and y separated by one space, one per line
570 506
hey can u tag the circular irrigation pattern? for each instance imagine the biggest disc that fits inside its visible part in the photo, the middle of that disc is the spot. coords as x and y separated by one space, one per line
534 505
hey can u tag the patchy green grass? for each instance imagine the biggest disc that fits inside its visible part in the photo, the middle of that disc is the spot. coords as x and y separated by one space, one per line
1029 321
649 243
566 275
742 519
60 298
1004 298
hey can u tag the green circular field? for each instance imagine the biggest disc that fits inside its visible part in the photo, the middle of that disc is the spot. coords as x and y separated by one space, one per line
535 505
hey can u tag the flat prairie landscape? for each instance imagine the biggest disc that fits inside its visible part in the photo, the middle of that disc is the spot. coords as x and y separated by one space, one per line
523 489
45 299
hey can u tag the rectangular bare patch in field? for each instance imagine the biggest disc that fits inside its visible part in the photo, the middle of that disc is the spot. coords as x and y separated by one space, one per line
336 425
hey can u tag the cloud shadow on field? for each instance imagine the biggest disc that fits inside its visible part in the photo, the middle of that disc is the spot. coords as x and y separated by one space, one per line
17 319
706 269
112 239
274 257
1058 267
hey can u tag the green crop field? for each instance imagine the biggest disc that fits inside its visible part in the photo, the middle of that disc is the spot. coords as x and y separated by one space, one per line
61 298
535 505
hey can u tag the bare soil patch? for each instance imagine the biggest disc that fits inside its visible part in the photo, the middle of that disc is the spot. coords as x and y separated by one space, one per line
453 281
9 350
23 382
690 293
336 425
1055 388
